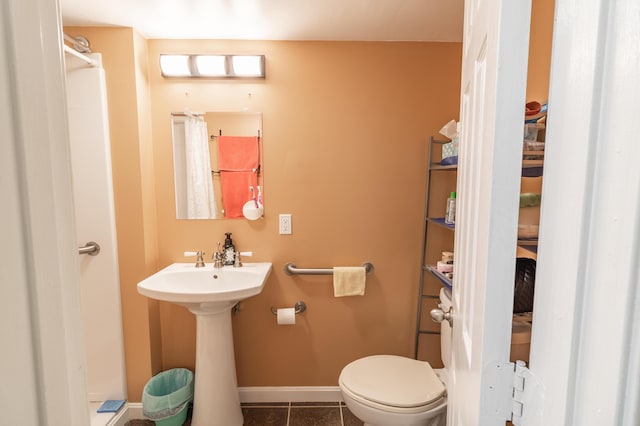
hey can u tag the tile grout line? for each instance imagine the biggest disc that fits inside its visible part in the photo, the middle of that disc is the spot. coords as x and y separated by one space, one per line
288 413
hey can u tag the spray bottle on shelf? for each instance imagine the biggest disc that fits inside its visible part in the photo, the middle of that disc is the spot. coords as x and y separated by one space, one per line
450 215
229 250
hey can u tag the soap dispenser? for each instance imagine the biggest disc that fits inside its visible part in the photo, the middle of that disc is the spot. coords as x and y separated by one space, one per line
229 250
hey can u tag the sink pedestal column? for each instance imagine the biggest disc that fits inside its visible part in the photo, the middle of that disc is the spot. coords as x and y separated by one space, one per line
216 401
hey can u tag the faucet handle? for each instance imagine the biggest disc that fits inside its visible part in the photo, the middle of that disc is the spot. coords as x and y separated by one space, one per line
199 257
237 262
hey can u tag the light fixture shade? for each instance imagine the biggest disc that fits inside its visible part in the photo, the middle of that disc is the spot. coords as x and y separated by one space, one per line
175 65
247 66
213 66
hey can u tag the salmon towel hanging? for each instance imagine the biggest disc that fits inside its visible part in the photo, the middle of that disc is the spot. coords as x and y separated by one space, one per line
238 160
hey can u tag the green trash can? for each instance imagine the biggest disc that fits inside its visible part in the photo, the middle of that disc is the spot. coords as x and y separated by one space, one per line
166 397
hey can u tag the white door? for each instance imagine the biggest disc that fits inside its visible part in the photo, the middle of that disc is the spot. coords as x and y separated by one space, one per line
43 367
494 69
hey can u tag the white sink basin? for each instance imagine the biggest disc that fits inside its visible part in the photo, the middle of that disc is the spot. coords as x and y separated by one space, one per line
192 287
209 293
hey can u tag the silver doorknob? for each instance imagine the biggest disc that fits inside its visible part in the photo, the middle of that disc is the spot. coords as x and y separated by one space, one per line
438 315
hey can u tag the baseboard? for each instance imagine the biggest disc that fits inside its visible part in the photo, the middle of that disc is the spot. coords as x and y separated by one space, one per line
249 394
290 394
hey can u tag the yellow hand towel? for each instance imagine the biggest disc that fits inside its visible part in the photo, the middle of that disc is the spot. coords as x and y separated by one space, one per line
349 280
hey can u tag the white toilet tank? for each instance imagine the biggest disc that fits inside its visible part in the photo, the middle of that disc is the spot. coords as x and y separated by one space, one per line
445 328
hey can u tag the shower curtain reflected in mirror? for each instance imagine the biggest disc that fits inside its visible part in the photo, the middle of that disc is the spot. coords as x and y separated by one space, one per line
229 197
201 202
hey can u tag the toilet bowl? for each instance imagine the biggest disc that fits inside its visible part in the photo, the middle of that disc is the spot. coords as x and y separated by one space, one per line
392 390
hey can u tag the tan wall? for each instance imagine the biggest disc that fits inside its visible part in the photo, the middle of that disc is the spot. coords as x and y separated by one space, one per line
540 50
147 178
345 130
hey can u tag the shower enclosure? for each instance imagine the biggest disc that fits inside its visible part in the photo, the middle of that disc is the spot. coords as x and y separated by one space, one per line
95 222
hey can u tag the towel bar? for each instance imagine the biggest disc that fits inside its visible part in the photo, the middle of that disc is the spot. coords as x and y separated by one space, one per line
291 269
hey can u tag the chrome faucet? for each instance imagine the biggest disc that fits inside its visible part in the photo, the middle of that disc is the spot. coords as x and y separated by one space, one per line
199 259
218 258
237 262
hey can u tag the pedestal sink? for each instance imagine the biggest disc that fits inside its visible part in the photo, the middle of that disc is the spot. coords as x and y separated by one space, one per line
210 293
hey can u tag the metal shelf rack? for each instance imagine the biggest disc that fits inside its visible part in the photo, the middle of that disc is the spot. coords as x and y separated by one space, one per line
428 222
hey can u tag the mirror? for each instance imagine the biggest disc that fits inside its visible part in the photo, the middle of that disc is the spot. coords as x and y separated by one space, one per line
217 163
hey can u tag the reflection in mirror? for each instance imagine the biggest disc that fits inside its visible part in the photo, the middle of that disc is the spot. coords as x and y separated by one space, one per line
217 161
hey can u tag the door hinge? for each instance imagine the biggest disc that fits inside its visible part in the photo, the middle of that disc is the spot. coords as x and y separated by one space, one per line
517 401
512 392
528 395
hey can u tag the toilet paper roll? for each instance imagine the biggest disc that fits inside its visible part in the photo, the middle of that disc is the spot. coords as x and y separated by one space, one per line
286 316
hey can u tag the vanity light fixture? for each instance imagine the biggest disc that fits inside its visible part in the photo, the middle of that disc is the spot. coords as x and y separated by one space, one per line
247 66
175 65
213 66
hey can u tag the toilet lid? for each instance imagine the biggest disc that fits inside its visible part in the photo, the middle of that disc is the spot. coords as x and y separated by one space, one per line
393 380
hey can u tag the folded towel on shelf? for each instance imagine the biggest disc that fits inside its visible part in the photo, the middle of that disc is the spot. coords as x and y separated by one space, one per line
529 199
238 161
349 280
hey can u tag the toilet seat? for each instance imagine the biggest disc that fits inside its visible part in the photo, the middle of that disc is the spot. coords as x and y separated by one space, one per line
393 383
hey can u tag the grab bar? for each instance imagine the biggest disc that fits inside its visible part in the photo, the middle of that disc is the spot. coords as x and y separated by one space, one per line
291 269
91 248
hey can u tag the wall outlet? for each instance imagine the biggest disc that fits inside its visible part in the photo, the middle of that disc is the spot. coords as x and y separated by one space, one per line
285 224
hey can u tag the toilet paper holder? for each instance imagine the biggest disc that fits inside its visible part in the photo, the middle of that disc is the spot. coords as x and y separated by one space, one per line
300 307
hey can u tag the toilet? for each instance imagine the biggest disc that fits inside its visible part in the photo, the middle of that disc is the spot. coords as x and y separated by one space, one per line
390 390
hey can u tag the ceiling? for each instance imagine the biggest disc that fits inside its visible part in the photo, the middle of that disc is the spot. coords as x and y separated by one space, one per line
365 20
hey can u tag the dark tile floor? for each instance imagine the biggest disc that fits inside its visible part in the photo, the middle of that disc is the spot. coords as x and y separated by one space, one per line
287 414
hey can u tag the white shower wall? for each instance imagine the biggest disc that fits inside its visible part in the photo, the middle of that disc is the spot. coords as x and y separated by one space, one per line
179 166
95 221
